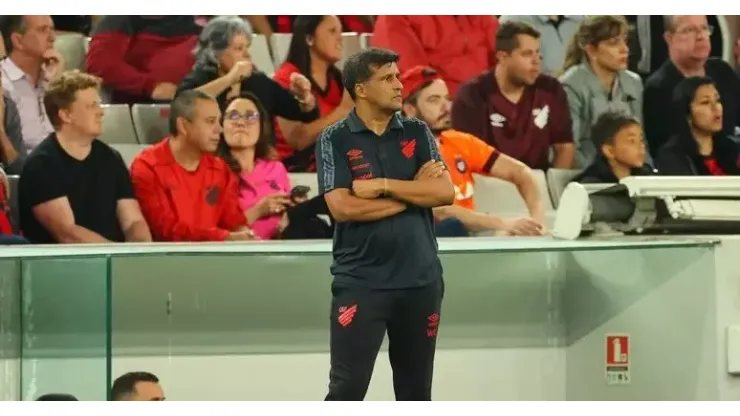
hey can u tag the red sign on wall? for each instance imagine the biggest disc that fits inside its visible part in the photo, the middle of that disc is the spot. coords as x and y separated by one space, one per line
617 350
617 361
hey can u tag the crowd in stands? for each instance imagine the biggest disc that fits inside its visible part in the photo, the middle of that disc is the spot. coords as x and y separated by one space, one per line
503 96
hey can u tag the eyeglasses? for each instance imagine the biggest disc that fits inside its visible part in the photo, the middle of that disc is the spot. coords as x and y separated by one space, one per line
250 116
696 31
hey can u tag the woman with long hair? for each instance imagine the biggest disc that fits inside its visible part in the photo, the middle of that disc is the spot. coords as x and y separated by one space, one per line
264 186
315 48
699 147
596 79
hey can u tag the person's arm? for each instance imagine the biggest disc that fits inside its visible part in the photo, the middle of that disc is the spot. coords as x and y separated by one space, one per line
302 135
585 149
335 182
11 136
130 218
561 132
232 217
396 33
106 58
285 105
520 175
472 220
132 221
427 193
163 222
469 115
51 207
206 79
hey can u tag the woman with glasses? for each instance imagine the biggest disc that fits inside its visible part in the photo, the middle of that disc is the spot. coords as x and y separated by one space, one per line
315 48
699 147
223 69
264 187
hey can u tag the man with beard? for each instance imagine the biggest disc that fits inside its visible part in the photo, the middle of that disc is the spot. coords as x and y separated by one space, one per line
516 108
426 96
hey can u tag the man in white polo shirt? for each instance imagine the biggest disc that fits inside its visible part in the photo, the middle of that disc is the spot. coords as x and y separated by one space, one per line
32 61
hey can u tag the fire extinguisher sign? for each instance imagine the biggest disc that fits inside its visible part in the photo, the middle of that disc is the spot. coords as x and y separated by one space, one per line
617 359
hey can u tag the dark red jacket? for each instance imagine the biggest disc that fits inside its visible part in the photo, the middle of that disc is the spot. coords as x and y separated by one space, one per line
132 54
458 47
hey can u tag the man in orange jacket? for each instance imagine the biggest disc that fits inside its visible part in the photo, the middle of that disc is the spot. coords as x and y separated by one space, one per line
425 96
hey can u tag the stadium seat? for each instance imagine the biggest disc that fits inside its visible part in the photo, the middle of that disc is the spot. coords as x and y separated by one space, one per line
557 180
129 151
366 40
280 43
118 127
151 122
305 179
498 197
350 46
260 53
13 185
72 48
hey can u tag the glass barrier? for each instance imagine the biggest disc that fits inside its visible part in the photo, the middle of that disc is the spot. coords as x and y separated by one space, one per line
65 321
10 329
251 320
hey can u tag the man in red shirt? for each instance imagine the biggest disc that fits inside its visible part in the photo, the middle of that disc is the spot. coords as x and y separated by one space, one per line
458 47
515 108
185 192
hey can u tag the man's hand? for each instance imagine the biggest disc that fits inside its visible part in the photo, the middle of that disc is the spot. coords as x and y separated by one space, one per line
430 170
164 91
53 64
522 227
368 188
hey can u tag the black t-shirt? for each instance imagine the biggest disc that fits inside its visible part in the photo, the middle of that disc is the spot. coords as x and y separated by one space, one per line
396 252
93 187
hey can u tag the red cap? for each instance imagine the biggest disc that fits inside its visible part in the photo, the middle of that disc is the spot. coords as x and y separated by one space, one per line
415 78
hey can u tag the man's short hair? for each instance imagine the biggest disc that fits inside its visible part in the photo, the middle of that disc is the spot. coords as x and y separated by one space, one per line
125 386
184 106
62 92
361 66
507 36
10 24
607 126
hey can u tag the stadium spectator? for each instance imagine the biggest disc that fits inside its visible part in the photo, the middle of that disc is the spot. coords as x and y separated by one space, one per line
556 32
265 197
688 47
514 107
267 25
81 24
142 58
31 63
137 386
619 138
186 192
459 47
73 188
596 79
8 230
314 49
699 146
223 69
426 97
12 149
